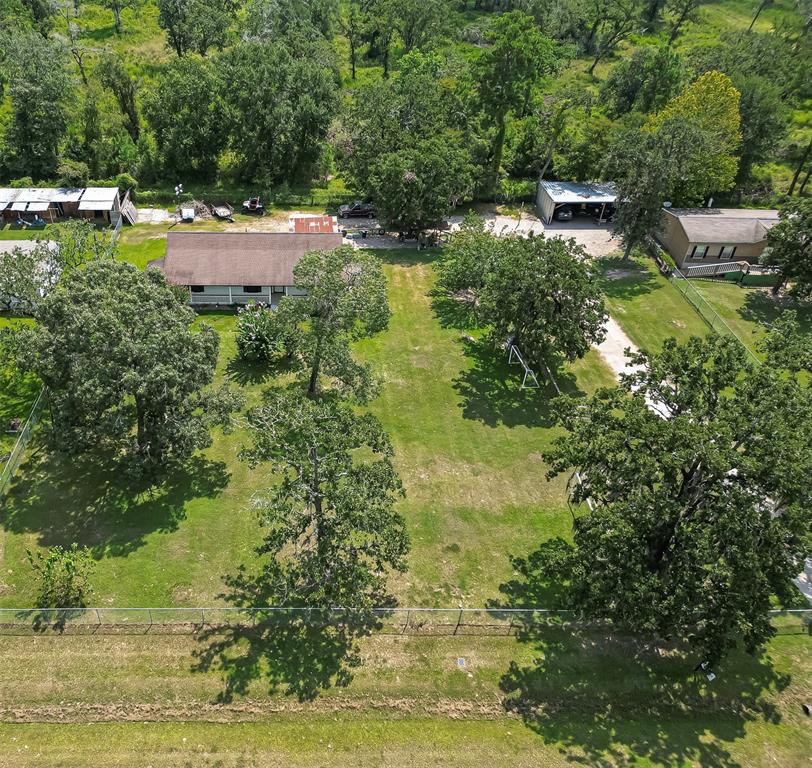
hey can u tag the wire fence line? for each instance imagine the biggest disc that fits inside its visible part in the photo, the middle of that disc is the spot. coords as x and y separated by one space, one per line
16 455
392 621
705 310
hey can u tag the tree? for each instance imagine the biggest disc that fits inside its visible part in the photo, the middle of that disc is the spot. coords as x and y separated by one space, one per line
278 108
262 335
195 25
42 13
64 576
290 21
420 22
644 82
25 276
39 87
401 114
415 189
613 22
114 76
761 6
789 246
704 123
544 292
643 174
78 242
697 520
345 301
680 12
763 117
508 69
466 261
186 116
125 369
334 532
799 168
351 22
117 6
381 18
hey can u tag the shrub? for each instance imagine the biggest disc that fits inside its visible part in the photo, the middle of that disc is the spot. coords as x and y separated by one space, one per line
125 181
63 576
72 173
263 334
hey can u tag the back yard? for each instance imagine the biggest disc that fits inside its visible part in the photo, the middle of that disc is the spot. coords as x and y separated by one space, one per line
468 445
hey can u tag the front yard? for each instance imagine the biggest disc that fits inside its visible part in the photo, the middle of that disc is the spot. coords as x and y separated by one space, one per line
468 444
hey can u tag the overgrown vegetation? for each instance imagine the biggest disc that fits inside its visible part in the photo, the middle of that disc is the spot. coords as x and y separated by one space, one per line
283 94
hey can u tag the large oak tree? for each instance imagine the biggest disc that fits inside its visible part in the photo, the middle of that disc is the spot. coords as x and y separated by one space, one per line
698 519
125 369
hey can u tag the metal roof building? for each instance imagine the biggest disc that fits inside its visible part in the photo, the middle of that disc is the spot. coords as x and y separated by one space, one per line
552 195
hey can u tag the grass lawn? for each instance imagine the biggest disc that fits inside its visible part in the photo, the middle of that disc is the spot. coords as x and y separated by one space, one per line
468 442
646 305
748 311
588 699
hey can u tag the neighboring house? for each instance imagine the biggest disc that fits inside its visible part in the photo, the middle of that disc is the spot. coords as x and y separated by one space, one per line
46 204
697 236
222 268
596 199
306 222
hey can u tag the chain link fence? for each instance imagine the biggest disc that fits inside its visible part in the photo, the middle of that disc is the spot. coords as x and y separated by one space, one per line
705 310
390 621
16 455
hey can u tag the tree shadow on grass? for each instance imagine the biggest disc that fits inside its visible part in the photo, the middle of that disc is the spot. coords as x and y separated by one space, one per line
610 698
296 653
492 392
763 308
88 500
625 279
452 312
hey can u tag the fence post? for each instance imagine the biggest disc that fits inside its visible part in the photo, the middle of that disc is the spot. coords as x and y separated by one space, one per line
459 621
510 626
98 617
405 626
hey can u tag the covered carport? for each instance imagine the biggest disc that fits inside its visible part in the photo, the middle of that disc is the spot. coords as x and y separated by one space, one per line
594 198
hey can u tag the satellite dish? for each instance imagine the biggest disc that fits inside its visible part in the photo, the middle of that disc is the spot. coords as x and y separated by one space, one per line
667 204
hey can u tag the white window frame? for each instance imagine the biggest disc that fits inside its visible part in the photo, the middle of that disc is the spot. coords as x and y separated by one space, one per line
728 256
695 252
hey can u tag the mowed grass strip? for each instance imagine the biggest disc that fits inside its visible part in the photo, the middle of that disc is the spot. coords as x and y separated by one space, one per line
468 444
648 308
593 698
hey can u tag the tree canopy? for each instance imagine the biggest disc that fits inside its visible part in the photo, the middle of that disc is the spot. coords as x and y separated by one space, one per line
544 292
790 246
125 369
696 470
708 111
345 300
333 532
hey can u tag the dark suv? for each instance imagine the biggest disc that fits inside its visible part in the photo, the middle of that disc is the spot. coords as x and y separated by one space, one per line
356 209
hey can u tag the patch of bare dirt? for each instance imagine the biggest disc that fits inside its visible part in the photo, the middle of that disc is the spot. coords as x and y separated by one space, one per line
245 711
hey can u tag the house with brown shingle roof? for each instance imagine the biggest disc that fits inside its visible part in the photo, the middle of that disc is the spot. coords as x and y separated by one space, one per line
223 268
695 236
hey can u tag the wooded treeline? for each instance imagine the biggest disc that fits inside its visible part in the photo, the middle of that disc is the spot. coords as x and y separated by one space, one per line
416 103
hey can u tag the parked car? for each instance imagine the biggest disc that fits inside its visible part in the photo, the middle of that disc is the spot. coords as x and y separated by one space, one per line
564 213
356 209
